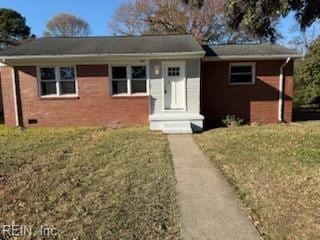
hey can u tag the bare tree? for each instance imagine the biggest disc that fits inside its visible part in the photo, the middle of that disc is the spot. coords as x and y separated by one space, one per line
67 25
303 38
202 18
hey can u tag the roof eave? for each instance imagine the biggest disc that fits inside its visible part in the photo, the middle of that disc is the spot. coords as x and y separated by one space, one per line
251 57
199 54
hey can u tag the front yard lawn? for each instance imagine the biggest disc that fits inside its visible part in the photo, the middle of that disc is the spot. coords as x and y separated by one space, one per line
88 183
275 171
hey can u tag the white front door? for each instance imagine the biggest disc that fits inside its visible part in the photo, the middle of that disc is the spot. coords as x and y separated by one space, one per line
174 86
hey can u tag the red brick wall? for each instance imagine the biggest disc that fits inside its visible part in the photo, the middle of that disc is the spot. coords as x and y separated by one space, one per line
253 103
93 107
7 96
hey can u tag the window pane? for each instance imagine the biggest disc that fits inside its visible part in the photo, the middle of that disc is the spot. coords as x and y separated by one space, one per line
48 88
173 71
119 87
241 78
67 73
138 86
48 74
138 72
119 72
241 69
67 87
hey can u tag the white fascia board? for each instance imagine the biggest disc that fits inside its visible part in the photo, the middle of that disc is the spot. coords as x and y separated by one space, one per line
251 57
80 56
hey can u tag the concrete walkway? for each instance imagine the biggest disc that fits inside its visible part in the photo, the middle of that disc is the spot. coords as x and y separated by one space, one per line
209 209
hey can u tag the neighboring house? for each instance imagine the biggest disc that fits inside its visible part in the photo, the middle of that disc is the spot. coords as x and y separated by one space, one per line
169 81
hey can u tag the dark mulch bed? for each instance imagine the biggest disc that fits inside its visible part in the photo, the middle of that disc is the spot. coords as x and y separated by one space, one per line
306 113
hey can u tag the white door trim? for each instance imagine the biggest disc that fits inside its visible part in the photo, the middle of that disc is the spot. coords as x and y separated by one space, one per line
181 63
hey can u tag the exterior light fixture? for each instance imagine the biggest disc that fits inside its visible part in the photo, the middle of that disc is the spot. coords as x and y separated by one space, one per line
157 69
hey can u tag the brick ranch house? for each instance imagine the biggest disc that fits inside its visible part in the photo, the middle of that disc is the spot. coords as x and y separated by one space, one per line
168 81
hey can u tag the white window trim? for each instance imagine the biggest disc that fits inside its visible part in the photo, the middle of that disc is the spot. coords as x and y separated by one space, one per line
253 68
129 79
57 81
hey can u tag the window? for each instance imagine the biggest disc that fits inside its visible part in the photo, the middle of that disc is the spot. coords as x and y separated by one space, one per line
138 79
67 81
129 80
119 80
57 81
173 71
48 81
242 73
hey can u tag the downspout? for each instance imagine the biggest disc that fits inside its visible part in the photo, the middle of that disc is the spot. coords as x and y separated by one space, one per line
15 99
281 90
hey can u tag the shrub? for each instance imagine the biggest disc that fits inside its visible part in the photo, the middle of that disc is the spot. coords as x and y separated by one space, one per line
232 121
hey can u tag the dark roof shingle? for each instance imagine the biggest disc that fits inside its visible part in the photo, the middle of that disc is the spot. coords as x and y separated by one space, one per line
122 45
106 45
247 50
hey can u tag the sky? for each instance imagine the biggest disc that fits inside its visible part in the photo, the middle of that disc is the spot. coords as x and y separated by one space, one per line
38 12
97 13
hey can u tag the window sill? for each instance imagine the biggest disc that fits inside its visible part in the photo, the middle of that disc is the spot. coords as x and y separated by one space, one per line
59 97
242 84
130 96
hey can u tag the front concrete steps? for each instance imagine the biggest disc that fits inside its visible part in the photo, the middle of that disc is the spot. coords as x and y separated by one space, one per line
176 127
175 123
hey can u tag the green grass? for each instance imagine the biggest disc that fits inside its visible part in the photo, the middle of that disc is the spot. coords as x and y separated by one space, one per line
89 183
275 171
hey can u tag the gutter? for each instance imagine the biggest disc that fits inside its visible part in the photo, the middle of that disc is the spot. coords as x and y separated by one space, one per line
281 90
249 57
